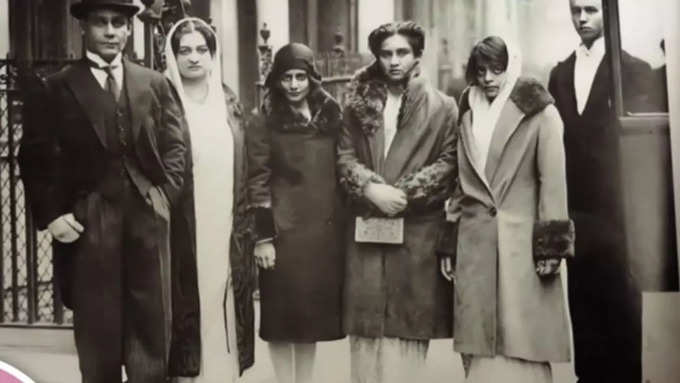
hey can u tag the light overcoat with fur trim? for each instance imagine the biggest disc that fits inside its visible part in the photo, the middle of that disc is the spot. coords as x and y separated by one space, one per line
501 305
397 290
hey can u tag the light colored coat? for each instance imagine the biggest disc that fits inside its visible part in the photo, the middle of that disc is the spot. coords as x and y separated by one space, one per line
501 305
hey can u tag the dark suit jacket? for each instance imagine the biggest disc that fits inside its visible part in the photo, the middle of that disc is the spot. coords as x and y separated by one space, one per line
592 139
63 155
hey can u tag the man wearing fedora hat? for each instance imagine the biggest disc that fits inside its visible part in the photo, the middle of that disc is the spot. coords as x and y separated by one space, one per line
102 159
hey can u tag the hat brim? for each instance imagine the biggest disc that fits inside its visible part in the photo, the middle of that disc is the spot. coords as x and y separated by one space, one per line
80 10
277 71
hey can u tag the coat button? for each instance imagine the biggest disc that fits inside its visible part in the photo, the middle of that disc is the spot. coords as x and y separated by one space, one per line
493 211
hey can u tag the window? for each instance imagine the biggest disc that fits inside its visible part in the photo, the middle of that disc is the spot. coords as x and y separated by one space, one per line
643 64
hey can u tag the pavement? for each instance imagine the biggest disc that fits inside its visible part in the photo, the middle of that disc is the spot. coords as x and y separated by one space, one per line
49 356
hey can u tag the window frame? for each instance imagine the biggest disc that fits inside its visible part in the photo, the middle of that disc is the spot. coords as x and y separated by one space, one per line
629 121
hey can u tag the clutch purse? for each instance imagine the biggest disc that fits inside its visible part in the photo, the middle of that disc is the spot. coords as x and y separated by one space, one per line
379 230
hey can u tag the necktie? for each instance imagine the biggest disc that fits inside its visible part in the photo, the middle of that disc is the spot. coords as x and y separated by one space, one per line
111 87
111 84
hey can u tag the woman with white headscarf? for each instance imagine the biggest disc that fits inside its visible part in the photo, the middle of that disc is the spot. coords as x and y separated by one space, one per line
213 332
509 217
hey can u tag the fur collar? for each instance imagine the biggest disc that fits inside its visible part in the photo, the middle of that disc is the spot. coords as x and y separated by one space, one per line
367 95
326 114
528 94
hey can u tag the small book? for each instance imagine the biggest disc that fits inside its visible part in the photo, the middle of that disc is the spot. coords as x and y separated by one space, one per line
379 230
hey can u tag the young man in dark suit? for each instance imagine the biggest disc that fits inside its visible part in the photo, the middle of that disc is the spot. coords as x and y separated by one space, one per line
102 158
603 299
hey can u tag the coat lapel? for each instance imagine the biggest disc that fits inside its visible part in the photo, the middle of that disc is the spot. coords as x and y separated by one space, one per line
137 86
85 88
506 125
599 90
511 137
239 142
470 150
565 85
406 140
376 146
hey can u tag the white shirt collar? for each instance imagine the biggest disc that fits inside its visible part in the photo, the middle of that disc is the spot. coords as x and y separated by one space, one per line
95 58
100 75
596 50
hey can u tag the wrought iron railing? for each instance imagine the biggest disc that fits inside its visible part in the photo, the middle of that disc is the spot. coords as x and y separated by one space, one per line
26 281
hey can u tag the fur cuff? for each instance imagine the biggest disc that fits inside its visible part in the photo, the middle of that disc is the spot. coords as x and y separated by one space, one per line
553 239
264 223
355 177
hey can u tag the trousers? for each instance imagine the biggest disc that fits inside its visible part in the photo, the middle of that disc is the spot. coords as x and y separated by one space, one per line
121 286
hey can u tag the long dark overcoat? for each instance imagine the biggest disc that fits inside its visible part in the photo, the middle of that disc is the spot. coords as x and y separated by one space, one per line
601 283
501 305
397 290
64 160
295 195
185 351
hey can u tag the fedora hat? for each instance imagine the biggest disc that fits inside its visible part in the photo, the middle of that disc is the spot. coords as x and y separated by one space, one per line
81 9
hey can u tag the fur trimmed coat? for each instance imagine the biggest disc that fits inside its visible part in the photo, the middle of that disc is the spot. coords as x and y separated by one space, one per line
397 290
501 305
185 351
297 202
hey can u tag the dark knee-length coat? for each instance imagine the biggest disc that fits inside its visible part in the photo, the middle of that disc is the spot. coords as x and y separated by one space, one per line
501 305
185 351
296 200
397 290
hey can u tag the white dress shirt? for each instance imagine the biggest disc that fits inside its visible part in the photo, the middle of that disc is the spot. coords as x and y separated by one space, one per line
587 62
101 75
391 118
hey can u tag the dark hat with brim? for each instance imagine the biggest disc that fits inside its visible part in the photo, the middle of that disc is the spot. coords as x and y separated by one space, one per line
80 10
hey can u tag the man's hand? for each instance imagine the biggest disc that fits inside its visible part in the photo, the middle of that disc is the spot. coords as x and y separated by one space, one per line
265 255
65 229
388 199
446 266
548 267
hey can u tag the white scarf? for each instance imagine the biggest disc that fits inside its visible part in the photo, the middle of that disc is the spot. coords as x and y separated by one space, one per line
215 98
485 114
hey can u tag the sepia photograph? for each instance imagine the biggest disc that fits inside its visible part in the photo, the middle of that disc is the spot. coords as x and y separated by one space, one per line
339 191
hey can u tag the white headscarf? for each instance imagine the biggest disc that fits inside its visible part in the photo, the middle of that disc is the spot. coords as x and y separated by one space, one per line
485 114
215 98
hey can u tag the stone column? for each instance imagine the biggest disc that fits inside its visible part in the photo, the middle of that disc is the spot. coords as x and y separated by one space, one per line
372 14
224 17
422 12
4 28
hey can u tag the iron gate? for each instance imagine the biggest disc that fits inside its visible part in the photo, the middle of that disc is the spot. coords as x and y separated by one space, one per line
27 293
